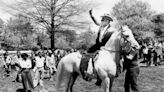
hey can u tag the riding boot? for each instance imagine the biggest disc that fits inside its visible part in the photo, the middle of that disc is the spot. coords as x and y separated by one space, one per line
84 65
98 82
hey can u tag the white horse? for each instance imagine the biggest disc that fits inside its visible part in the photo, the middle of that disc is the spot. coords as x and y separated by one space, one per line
105 64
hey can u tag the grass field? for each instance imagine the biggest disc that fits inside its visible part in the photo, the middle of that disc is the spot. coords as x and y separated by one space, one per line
150 80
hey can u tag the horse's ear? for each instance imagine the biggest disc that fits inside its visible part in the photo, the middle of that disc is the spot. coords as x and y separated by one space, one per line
121 28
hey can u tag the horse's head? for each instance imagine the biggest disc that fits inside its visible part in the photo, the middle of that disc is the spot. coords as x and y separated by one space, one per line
128 41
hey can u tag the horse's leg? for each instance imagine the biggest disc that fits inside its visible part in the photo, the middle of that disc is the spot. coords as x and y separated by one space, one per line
67 82
67 77
111 84
73 79
106 83
60 75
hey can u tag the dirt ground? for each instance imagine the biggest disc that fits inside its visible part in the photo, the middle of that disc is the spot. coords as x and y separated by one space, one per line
150 80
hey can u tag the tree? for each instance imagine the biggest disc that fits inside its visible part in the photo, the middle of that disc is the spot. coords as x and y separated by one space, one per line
70 35
158 21
1 23
20 25
86 40
52 15
135 14
42 40
2 26
19 32
61 43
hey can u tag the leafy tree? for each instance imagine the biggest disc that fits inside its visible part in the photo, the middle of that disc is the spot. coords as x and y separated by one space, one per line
158 21
13 40
70 35
20 25
62 43
42 39
19 32
86 39
8 39
65 38
2 29
136 14
30 42
1 23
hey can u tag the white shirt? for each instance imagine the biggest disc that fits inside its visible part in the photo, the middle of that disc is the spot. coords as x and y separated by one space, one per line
16 59
50 60
39 61
160 45
8 59
102 32
25 63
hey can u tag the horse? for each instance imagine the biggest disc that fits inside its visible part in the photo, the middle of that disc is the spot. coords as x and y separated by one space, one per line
105 63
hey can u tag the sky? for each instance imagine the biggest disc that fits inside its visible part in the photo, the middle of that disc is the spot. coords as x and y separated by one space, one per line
103 7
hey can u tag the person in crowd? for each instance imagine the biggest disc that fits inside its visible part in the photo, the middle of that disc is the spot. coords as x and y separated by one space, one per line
7 63
39 69
25 64
51 63
17 57
32 56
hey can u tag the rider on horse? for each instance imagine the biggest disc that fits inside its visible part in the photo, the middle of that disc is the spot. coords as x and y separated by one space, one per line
104 33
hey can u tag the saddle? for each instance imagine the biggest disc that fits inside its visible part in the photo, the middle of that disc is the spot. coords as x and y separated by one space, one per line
86 57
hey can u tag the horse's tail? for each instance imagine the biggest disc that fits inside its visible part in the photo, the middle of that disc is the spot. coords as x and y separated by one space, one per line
59 75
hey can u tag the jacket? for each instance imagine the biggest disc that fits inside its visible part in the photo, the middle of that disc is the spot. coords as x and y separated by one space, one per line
98 44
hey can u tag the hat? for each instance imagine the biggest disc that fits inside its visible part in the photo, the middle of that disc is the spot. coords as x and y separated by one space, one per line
107 16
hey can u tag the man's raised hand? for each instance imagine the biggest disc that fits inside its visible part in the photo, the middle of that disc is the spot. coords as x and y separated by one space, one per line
90 12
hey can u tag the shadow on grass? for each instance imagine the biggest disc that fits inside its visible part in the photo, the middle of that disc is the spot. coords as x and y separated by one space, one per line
22 90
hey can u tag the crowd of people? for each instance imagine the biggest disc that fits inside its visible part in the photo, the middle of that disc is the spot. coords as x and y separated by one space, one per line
152 53
32 67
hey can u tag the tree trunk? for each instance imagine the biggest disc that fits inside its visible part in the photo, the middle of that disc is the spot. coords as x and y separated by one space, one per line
52 39
52 25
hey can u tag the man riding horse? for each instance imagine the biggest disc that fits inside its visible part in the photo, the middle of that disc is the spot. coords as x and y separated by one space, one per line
104 33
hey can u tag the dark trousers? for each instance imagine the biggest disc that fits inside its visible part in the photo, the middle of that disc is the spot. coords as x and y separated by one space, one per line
131 79
27 79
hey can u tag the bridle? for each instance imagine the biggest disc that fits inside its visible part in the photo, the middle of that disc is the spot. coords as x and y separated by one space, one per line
127 47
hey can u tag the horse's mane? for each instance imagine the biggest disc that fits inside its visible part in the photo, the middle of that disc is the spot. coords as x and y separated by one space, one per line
116 25
112 43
